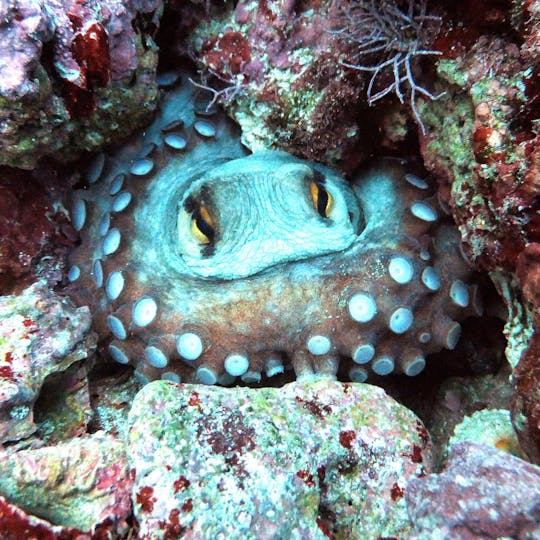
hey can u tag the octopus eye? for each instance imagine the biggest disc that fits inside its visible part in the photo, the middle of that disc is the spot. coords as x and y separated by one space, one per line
322 200
202 225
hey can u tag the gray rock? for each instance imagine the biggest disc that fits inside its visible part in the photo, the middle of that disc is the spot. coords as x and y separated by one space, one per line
73 76
40 334
484 493
310 460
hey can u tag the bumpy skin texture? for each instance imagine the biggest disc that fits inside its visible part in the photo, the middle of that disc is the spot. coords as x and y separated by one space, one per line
372 288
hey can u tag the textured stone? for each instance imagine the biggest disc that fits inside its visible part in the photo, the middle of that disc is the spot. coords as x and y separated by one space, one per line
78 484
35 233
310 460
112 397
460 398
73 75
526 403
492 427
483 493
40 334
288 72
482 141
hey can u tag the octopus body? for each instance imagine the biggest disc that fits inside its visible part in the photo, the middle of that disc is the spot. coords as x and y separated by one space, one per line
202 263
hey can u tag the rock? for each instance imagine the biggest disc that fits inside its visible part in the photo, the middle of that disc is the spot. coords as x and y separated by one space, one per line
492 427
286 72
25 227
526 403
112 396
483 493
63 408
77 484
15 524
472 144
460 398
482 141
310 460
73 75
40 334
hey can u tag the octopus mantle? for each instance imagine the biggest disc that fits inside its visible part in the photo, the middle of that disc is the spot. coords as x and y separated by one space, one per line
201 263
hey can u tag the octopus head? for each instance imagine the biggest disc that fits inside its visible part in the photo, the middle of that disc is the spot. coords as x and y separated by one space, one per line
243 217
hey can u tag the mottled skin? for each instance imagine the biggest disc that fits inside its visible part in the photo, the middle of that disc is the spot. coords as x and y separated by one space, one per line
294 266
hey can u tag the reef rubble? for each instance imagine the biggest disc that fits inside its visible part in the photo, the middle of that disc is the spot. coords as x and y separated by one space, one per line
89 453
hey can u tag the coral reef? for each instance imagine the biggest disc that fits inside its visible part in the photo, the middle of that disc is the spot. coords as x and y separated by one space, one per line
40 334
483 493
73 75
300 76
211 267
482 143
77 484
281 265
350 450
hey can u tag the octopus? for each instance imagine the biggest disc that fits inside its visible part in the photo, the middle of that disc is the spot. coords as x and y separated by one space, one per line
203 263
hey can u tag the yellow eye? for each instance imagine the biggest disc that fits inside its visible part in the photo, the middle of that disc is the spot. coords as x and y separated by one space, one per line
202 225
322 200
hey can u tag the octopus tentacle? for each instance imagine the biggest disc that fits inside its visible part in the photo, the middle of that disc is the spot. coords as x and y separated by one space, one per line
201 263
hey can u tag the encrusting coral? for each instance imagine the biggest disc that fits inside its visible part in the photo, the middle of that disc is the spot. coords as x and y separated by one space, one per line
301 76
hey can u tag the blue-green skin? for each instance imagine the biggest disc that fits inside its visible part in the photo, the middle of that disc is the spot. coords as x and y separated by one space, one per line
279 273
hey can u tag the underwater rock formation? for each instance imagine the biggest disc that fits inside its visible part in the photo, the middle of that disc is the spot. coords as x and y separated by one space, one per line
73 75
483 493
206 265
483 145
34 232
492 427
526 403
40 334
305 286
311 460
460 398
300 76
79 483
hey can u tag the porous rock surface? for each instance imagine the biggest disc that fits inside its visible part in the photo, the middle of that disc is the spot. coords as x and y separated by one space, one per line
40 334
482 142
277 68
310 460
73 75
461 398
76 484
483 493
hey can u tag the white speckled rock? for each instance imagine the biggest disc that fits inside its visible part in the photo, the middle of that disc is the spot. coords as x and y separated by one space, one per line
489 426
40 334
483 493
80 483
311 460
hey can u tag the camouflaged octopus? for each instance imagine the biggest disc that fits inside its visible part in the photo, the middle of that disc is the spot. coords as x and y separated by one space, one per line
202 263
